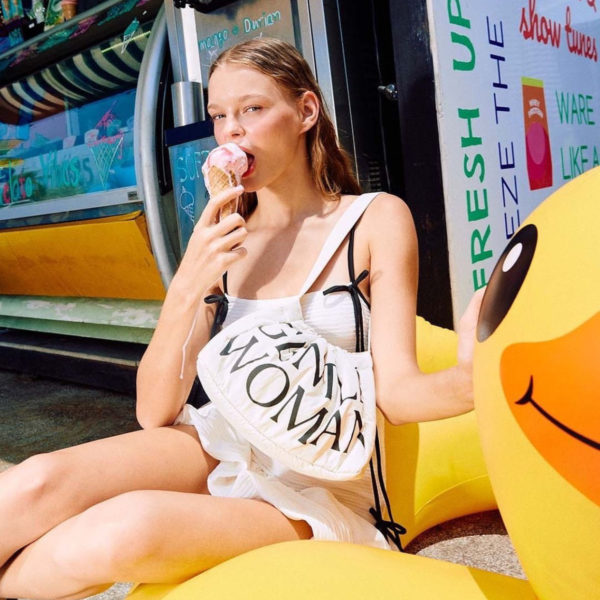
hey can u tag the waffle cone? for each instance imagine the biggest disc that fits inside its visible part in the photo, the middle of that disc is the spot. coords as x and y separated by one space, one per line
218 181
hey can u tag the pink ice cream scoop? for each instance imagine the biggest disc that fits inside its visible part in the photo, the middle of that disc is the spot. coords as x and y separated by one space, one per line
224 167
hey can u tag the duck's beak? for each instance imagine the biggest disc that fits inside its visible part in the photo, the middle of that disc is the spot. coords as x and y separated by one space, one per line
553 390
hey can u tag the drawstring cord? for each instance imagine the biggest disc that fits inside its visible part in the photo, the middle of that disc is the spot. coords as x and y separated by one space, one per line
185 345
388 527
220 314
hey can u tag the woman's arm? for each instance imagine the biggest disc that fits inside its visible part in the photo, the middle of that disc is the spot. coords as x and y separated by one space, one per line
166 372
404 393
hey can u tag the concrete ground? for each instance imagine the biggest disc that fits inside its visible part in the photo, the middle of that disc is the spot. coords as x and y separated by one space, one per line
41 415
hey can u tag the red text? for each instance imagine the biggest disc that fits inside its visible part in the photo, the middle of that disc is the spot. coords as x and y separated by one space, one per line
580 43
539 28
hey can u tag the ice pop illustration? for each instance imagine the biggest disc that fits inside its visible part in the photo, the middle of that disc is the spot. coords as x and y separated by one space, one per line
222 169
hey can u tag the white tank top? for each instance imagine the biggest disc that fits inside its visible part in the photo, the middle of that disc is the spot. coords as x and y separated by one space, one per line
332 315
329 314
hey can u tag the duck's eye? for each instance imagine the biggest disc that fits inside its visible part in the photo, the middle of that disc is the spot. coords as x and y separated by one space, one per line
506 280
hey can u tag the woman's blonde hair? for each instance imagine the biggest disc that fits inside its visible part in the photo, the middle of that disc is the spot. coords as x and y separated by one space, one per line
330 165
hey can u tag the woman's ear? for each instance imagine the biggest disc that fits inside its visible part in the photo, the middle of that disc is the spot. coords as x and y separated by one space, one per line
308 106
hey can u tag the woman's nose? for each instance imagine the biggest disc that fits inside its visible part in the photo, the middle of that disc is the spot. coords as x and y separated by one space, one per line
233 128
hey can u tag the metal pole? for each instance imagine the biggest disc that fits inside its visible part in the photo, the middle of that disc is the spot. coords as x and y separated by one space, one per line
144 142
186 92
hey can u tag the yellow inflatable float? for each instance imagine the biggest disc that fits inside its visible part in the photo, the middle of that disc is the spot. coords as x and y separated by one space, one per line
537 390
538 413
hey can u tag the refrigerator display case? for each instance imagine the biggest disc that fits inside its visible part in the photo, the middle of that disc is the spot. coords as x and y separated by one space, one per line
75 255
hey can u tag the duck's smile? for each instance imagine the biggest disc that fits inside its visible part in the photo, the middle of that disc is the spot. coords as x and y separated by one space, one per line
528 398
561 418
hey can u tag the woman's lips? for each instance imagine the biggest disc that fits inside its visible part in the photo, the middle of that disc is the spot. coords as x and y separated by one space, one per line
250 168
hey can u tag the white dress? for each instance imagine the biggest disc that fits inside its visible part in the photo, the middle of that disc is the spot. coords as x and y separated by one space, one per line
335 510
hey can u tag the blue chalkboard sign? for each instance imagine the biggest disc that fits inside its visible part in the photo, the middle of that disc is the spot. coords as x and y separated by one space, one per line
188 147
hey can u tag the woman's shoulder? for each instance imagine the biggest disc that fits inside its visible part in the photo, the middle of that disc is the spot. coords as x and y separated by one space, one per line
386 230
387 213
383 200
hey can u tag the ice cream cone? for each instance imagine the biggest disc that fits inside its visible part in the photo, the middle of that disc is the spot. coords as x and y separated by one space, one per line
218 181
224 168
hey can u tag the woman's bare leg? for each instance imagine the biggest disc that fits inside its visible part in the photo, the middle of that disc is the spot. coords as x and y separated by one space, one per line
145 536
47 489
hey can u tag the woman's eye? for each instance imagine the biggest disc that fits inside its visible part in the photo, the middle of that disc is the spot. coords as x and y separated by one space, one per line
252 108
216 117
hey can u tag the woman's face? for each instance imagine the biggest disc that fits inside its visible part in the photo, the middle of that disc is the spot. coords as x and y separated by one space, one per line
250 109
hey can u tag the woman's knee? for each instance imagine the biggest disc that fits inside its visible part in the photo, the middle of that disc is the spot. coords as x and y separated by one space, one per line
108 538
35 479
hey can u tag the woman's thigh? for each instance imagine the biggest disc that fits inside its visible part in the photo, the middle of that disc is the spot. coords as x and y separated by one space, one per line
191 533
47 489
165 458
147 536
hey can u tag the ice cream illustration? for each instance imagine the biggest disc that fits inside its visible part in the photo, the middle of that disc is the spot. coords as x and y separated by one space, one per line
537 137
69 8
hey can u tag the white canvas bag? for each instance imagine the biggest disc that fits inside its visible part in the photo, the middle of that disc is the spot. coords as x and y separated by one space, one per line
291 393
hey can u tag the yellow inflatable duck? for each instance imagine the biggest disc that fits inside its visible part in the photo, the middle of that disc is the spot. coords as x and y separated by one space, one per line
537 387
537 390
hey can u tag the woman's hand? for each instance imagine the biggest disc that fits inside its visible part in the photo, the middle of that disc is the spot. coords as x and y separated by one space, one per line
214 245
167 369
466 332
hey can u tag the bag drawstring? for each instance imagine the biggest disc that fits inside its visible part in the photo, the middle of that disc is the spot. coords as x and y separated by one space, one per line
220 315
388 527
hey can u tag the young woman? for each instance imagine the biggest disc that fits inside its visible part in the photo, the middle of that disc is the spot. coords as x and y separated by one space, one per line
187 492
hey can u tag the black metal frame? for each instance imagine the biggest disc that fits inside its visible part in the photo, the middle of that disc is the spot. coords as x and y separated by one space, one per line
203 6
388 120
421 183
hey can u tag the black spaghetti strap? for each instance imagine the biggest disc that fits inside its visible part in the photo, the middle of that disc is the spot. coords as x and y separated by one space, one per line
222 305
355 293
352 289
351 253
388 527
351 269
